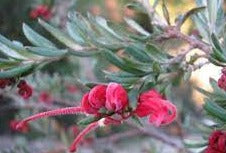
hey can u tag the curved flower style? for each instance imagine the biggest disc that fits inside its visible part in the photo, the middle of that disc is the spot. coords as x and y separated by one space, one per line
217 142
161 112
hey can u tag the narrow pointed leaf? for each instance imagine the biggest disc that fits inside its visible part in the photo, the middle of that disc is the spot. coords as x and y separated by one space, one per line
48 52
17 71
61 36
10 52
156 54
35 38
136 27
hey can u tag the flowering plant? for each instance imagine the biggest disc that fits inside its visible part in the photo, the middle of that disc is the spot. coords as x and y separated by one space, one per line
145 71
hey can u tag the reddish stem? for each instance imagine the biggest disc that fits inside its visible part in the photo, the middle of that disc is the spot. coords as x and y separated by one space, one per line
81 135
61 111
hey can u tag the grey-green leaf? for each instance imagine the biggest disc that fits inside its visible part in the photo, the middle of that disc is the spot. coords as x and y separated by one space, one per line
48 52
35 38
16 71
61 36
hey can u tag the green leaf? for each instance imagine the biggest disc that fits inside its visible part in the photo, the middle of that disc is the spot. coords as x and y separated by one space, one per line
216 43
4 63
141 66
75 33
165 12
103 23
212 6
47 52
10 52
88 120
17 71
35 38
195 144
129 80
136 27
218 55
204 92
61 36
191 12
136 6
138 53
136 120
10 44
215 110
156 54
133 97
117 61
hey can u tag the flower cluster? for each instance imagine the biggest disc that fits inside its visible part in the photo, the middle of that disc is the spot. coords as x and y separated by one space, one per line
222 80
24 90
107 101
41 11
152 104
217 142
6 82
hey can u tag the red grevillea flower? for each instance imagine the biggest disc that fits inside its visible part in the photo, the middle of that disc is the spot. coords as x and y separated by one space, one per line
97 96
217 142
25 90
222 80
45 97
161 111
13 124
116 97
41 11
86 105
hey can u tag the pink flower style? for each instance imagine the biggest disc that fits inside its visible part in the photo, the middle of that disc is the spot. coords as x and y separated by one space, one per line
113 98
159 110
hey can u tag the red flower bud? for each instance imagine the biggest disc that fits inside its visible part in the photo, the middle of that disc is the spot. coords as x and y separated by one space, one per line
116 97
161 111
97 96
41 11
222 80
5 82
45 97
217 142
86 105
25 90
